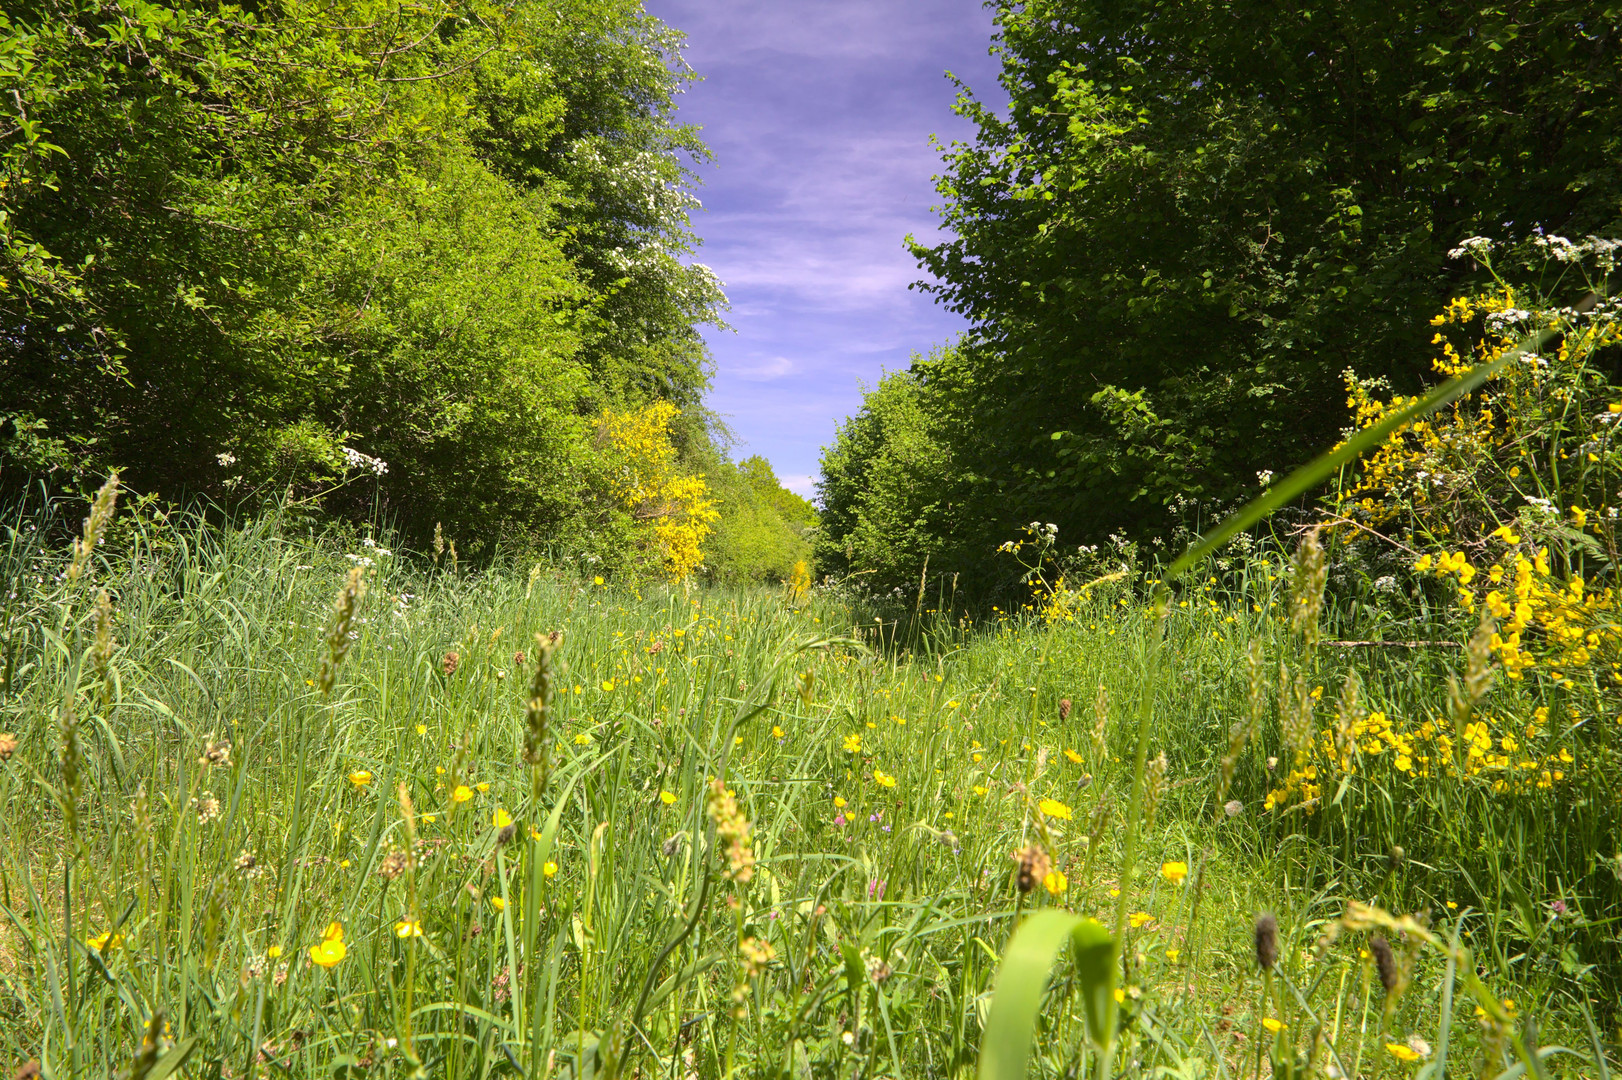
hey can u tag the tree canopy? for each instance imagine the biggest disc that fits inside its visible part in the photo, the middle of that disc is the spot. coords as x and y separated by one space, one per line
1193 217
236 240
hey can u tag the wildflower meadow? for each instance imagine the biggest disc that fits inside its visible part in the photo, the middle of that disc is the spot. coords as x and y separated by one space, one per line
280 802
1206 665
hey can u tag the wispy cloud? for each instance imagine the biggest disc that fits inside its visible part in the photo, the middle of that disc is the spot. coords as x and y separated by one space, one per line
820 113
764 371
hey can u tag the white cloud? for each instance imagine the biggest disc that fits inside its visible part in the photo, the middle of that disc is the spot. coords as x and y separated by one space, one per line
764 371
804 485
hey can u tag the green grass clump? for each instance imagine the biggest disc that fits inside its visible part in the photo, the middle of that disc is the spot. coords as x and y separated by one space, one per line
280 806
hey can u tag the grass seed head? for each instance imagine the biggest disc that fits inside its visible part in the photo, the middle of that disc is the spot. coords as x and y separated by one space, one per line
8 745
1154 787
732 829
1064 709
95 525
537 706
343 622
72 763
1307 579
102 654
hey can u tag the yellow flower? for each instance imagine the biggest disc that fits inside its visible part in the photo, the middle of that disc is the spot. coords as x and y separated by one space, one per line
608 686
422 729
1273 1024
105 943
582 739
407 928
498 903
360 778
1139 918
1056 882
462 794
1173 954
667 797
853 744
1174 872
979 789
839 802
1402 1052
501 819
777 731
884 779
550 868
430 818
1120 996
1075 758
273 952
597 580
483 786
1053 808
1579 516
332 948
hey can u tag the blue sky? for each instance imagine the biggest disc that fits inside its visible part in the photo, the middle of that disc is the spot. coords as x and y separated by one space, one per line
819 113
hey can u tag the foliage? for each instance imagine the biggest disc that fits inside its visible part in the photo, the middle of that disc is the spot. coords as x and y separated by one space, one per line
1191 218
374 879
889 490
240 240
764 529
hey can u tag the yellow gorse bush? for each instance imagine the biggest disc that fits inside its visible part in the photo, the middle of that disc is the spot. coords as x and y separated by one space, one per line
671 511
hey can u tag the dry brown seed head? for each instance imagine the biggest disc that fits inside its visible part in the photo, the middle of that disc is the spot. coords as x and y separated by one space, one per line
1034 865
1266 941
8 745
395 863
450 662
1064 709
216 752
1385 963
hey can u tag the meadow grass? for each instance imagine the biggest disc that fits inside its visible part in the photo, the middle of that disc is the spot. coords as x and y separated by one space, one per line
755 834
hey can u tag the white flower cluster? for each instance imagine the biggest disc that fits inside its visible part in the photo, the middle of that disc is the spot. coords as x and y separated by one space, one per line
1477 247
354 459
1564 250
1500 321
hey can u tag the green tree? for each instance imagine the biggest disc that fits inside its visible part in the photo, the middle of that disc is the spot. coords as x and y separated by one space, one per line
891 492
238 240
764 529
1193 217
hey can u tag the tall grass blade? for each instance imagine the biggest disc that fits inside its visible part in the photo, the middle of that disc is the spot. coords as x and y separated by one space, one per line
1022 979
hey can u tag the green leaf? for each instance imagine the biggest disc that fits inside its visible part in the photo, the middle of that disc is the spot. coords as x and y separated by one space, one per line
1094 949
1016 996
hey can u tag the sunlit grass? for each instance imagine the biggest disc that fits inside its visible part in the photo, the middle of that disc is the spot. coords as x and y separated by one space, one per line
294 880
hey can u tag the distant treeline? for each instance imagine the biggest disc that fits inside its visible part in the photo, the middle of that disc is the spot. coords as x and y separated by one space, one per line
258 248
1192 220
